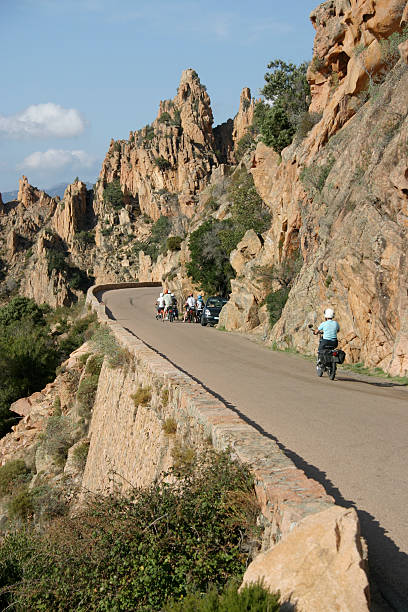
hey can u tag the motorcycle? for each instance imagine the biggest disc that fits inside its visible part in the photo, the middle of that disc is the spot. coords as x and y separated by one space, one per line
198 315
327 360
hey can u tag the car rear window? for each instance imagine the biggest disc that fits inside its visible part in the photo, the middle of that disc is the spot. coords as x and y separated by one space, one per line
215 302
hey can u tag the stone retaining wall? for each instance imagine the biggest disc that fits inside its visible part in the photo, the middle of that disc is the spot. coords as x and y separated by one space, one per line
136 447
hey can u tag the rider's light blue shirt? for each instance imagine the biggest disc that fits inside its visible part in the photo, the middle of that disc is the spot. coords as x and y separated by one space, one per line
330 329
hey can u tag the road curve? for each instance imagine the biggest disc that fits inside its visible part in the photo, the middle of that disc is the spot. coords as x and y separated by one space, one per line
350 435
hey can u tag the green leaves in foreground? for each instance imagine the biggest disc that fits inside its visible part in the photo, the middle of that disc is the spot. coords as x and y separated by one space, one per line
252 598
162 543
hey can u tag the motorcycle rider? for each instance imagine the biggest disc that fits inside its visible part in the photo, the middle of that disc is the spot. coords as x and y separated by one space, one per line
329 330
189 305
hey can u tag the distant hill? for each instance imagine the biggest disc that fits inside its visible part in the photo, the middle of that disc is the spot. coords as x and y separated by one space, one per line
56 190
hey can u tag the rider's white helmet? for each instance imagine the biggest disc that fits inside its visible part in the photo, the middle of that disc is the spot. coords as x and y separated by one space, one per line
329 313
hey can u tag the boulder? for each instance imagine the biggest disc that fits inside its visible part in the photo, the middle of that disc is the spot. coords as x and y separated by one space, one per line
318 566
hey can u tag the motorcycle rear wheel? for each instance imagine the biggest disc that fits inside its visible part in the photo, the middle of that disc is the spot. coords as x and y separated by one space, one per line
332 372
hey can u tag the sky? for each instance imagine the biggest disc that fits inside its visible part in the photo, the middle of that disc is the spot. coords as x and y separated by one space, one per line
76 73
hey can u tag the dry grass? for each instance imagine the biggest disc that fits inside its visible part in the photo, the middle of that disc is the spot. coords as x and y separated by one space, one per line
142 397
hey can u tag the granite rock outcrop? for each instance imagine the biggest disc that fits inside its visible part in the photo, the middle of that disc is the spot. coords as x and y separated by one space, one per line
339 199
317 566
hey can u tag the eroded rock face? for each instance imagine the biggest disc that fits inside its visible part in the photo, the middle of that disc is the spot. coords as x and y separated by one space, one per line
344 206
318 565
347 53
70 214
172 156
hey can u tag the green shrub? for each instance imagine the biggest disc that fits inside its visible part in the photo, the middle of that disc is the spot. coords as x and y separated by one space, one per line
113 195
94 364
157 243
288 94
314 177
56 260
84 358
84 238
28 355
184 459
80 331
149 129
80 454
12 474
246 143
20 505
75 277
174 243
22 308
389 47
209 264
306 122
173 538
170 426
86 394
211 244
106 344
253 598
177 118
165 118
212 204
165 397
142 397
57 438
275 302
48 502
162 163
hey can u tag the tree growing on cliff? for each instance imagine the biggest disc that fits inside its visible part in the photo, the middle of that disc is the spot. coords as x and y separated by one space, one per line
212 243
287 95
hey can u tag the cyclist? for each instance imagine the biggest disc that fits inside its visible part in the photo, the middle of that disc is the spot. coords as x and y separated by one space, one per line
160 306
175 306
189 305
199 307
167 302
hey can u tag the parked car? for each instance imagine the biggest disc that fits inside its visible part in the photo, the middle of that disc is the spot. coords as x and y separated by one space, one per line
212 308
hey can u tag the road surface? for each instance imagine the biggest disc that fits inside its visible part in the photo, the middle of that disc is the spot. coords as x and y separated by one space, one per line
350 434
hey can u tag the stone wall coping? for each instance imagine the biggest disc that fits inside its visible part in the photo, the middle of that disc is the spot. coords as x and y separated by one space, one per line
285 494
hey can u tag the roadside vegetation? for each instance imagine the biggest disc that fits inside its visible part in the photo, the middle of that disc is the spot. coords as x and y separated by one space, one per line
181 544
34 340
212 243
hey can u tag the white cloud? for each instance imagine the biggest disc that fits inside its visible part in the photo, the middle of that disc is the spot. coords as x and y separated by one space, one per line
43 120
55 159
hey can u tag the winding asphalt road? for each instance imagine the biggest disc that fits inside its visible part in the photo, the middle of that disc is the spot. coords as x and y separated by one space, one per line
351 434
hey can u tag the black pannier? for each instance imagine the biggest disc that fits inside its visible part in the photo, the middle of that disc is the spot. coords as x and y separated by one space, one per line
341 356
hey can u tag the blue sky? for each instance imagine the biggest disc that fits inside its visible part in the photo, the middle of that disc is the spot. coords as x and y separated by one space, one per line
76 73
